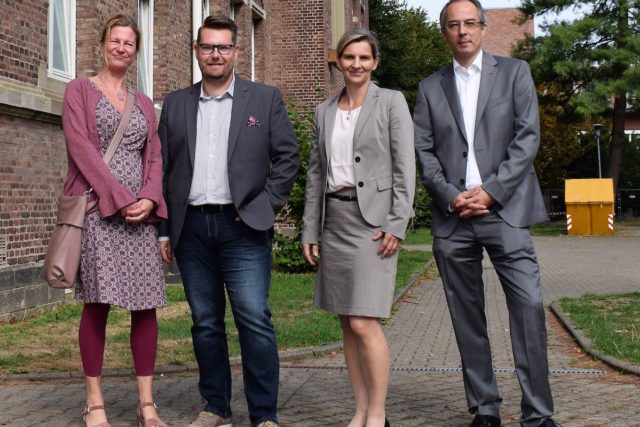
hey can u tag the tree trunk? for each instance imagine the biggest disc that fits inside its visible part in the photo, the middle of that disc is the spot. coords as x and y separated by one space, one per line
616 149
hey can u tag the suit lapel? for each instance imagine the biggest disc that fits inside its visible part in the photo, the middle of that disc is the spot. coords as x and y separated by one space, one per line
367 107
240 102
487 81
329 122
191 120
448 84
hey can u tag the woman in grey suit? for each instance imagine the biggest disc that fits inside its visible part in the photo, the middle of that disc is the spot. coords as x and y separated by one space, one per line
359 197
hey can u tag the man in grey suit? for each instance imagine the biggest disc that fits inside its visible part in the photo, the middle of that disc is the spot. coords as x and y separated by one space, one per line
476 137
230 159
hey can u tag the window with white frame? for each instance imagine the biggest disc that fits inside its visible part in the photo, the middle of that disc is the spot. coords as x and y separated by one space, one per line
62 39
253 50
232 10
145 54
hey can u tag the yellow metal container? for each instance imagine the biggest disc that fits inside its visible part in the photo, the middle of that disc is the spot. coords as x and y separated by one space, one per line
589 206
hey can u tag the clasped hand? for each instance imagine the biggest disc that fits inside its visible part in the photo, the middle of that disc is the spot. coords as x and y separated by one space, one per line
473 202
138 211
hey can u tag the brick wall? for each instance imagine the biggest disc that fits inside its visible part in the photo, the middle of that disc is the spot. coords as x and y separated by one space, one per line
172 46
301 39
503 31
29 182
291 53
23 39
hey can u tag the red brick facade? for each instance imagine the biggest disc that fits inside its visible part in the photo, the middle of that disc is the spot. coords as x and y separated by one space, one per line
504 30
291 38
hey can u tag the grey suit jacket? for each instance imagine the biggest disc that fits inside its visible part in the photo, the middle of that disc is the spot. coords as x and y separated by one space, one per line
507 136
262 158
384 163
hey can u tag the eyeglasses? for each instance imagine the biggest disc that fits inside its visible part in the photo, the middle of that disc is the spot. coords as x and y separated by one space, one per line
471 24
223 49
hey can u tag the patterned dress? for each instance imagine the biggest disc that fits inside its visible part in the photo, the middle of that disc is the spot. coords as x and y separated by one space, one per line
120 261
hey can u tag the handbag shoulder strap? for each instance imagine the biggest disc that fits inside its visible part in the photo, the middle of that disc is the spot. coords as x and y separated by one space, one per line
124 119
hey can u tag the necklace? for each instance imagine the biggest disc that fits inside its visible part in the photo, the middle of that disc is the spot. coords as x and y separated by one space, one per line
348 106
119 94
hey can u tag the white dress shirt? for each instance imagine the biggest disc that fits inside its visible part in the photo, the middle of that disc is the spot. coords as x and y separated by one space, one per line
210 184
468 85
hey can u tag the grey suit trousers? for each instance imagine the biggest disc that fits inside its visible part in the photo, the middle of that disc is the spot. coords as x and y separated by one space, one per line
459 259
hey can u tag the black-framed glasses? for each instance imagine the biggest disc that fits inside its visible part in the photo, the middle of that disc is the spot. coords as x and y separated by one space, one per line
471 24
223 49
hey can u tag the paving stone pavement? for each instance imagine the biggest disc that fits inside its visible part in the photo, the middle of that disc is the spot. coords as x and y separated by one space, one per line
426 383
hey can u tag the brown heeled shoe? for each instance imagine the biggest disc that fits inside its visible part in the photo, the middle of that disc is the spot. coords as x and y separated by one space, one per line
87 410
151 422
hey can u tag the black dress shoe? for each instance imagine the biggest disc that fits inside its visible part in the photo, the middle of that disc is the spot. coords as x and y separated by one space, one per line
485 421
549 422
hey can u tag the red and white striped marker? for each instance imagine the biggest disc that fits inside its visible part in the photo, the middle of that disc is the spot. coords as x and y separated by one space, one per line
610 220
569 222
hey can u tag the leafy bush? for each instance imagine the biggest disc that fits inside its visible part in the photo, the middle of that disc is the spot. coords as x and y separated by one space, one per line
287 255
421 206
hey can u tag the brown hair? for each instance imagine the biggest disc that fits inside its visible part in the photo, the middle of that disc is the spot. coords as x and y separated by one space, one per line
220 22
121 21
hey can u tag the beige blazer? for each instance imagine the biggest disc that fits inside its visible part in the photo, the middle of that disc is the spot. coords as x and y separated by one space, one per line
384 163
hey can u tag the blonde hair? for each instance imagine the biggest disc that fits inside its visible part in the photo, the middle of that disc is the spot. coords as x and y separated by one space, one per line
358 35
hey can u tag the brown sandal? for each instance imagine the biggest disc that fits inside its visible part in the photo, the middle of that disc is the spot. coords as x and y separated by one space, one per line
86 412
151 422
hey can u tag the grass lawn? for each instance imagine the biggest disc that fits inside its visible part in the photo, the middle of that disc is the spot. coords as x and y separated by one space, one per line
549 228
49 341
418 236
612 322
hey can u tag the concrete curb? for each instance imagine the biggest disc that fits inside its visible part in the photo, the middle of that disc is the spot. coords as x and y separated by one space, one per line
286 355
587 346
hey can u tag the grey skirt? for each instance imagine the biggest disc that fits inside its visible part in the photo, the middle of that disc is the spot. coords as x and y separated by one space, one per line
352 279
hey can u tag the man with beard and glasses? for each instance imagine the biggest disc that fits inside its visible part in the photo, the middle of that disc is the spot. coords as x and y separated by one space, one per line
230 159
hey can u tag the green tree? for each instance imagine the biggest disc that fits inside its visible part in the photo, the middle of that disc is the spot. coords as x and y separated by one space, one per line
595 60
561 145
411 46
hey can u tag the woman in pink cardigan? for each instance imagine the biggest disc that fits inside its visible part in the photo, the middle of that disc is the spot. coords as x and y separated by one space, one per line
120 261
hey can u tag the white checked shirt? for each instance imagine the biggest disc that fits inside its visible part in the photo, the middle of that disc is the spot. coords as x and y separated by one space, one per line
468 85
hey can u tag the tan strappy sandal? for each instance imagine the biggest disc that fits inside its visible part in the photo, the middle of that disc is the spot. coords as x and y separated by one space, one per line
151 422
89 409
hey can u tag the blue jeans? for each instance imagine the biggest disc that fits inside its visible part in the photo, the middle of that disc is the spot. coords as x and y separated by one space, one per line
216 252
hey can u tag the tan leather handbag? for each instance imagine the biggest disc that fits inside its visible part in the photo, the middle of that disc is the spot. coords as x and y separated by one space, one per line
62 260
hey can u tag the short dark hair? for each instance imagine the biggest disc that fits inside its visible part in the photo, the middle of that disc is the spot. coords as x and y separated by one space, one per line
220 22
443 13
121 20
358 35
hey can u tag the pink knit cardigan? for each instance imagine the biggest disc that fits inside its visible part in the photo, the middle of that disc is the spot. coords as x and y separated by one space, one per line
86 167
